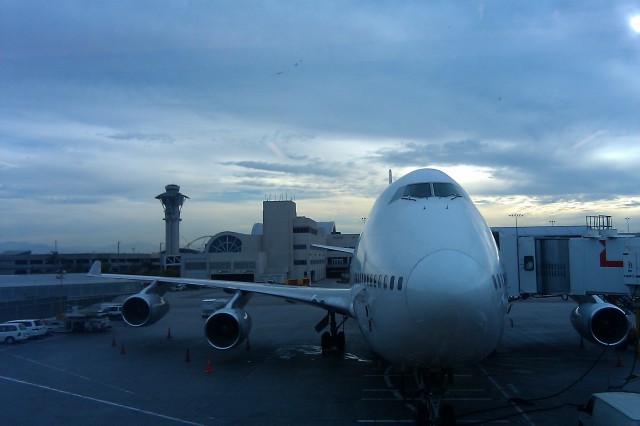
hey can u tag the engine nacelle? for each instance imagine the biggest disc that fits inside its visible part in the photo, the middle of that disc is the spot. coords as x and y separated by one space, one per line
600 322
227 328
144 309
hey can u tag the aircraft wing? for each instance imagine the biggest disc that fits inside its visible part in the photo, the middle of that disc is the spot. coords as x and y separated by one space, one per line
338 300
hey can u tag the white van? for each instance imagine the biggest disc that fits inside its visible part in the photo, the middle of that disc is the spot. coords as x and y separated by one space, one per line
612 409
10 333
35 327
114 310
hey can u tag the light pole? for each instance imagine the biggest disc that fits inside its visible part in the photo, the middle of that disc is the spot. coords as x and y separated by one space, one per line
516 215
552 222
627 219
60 276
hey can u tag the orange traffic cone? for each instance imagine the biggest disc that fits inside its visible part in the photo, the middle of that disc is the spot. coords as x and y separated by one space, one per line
619 360
122 352
187 357
113 340
208 368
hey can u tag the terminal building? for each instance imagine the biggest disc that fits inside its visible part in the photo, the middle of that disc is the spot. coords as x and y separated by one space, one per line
279 249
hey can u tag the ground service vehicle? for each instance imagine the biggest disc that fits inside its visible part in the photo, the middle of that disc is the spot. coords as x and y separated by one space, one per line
612 409
11 333
35 327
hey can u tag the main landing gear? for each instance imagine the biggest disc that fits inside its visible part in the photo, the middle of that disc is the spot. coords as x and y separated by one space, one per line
332 340
431 390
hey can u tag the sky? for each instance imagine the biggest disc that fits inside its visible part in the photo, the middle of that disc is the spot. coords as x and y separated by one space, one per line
533 107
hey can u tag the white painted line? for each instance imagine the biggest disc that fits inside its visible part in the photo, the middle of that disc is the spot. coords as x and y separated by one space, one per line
71 373
506 395
101 401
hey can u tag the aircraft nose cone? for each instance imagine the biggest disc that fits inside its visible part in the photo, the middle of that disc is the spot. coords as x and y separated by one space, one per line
441 289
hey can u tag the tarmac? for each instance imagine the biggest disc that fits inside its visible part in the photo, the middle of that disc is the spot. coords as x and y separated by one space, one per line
167 374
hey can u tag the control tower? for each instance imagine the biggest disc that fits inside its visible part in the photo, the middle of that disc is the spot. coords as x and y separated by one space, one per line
172 201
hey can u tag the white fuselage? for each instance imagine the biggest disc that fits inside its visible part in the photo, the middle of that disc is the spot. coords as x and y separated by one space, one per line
429 283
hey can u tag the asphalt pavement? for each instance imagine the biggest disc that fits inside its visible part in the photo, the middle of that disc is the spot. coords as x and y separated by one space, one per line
167 374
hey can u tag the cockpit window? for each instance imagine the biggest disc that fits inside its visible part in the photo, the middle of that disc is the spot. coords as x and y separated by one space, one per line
446 189
415 191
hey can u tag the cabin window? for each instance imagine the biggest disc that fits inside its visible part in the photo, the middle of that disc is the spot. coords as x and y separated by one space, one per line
400 283
392 282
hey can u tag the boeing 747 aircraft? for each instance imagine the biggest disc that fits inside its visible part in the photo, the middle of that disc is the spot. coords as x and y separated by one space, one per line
427 287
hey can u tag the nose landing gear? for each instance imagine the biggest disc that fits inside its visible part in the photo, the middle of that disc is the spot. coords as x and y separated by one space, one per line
431 387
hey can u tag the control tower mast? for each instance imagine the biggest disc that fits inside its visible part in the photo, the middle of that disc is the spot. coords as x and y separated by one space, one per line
172 201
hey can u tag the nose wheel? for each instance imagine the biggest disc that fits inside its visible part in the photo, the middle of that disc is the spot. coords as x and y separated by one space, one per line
432 388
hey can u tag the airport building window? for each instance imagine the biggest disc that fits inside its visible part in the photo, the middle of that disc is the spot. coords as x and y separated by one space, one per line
226 244
299 262
195 266
305 230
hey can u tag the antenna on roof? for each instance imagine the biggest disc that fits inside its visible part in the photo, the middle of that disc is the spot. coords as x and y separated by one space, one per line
390 177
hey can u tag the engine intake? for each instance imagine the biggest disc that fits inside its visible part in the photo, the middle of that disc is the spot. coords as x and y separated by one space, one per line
600 322
144 309
227 328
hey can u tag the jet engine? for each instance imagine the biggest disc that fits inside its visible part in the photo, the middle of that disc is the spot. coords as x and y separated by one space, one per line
227 328
600 322
144 309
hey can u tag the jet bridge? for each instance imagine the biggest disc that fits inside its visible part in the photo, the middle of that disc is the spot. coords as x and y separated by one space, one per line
570 260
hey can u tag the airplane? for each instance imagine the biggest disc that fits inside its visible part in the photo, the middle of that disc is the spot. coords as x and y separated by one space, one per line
428 290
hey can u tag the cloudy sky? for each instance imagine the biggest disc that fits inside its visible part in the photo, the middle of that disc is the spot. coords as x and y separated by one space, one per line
533 106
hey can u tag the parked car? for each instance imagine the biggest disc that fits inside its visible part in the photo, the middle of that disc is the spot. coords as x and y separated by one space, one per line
35 327
10 333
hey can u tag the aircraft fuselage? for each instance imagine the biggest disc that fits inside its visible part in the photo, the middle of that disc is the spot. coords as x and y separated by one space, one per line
430 286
